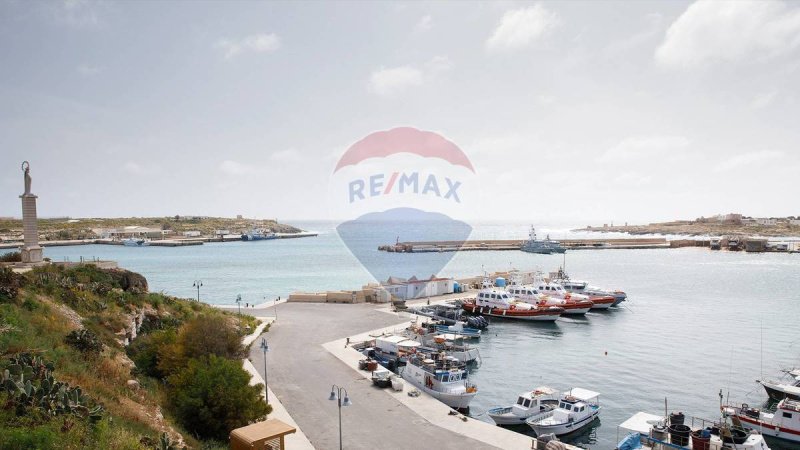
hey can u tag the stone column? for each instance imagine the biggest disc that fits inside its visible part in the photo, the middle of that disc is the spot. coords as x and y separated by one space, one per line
31 252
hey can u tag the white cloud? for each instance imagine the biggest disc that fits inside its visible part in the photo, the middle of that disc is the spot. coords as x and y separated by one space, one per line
764 99
287 156
425 23
257 43
730 31
748 159
390 81
635 148
88 70
135 168
235 168
521 27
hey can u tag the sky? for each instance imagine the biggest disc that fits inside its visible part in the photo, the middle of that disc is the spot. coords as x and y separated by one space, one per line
571 112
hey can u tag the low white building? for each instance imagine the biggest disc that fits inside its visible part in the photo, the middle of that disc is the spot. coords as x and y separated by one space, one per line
767 222
795 222
191 234
413 287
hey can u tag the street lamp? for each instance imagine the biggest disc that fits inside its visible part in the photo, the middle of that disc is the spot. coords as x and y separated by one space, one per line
336 394
274 306
265 349
198 284
239 303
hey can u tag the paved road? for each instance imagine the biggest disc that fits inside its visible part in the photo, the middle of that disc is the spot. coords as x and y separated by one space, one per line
301 373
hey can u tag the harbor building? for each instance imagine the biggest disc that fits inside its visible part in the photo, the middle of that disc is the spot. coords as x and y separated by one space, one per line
408 289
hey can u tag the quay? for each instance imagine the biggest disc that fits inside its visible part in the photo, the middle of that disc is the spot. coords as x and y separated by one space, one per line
516 244
180 242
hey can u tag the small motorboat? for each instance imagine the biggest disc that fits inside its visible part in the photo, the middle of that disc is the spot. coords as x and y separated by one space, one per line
778 390
783 423
577 409
529 404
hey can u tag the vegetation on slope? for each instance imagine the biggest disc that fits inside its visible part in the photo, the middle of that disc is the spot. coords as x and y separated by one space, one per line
68 327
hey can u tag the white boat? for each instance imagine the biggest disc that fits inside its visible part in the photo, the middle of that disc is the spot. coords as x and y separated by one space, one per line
529 294
650 432
530 404
577 409
783 423
136 242
452 344
442 377
778 390
583 287
557 290
497 302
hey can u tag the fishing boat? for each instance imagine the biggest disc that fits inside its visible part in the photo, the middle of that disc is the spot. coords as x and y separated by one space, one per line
576 409
497 302
392 351
777 390
556 290
258 234
442 377
654 432
544 247
529 294
136 242
530 404
783 423
715 243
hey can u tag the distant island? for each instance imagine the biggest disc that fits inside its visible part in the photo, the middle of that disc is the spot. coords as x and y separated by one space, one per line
65 228
719 225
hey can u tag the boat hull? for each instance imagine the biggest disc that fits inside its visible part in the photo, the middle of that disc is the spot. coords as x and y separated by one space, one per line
457 401
543 315
602 302
768 429
505 416
561 429
775 393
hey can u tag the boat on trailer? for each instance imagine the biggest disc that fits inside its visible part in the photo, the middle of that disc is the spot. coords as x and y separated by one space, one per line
783 423
530 404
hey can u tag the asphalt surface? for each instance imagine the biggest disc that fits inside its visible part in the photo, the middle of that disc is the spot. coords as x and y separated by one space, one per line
300 372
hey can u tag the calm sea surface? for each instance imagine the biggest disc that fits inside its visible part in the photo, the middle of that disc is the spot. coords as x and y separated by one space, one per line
696 321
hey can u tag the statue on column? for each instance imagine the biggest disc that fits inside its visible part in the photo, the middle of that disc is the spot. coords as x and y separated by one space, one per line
26 167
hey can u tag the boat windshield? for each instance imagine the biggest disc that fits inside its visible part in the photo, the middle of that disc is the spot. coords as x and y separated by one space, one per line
520 400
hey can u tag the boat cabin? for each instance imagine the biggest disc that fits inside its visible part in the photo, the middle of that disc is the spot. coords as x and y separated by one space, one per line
494 298
534 399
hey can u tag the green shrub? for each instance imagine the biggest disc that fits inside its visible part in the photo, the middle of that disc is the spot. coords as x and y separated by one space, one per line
10 282
146 352
212 396
84 340
11 257
27 438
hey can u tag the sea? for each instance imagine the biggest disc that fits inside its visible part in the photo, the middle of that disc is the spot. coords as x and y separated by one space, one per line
698 329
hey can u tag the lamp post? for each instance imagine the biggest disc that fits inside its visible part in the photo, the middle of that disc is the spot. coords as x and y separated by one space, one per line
265 349
239 303
198 284
274 306
336 394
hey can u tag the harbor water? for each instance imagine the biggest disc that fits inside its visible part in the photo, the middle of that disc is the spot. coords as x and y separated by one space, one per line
696 321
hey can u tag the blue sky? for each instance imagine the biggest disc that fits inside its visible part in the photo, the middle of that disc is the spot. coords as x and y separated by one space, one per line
577 112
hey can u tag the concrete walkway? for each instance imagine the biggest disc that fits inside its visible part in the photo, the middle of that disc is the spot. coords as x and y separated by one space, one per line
301 372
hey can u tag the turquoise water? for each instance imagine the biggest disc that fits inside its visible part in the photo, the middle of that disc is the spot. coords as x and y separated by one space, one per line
693 324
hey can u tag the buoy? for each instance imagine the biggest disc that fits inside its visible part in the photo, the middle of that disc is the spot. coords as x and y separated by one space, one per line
606 352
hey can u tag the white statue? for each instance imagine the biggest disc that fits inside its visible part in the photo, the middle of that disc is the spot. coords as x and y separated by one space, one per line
26 167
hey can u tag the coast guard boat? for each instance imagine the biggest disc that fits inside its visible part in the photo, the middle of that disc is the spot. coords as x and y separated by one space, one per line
442 377
496 302
558 291
530 404
784 423
529 294
577 409
582 287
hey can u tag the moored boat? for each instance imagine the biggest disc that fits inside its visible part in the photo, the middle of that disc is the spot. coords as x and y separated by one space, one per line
392 351
558 291
783 423
496 302
778 390
544 247
583 287
257 234
442 377
529 294
576 409
136 242
530 404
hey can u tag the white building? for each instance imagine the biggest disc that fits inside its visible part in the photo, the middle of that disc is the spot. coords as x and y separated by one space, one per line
415 288
767 222
191 234
795 222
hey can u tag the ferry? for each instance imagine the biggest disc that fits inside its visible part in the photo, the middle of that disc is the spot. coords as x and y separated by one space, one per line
545 247
497 302
784 423
778 391
257 234
577 409
529 294
136 242
654 432
442 377
530 404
